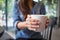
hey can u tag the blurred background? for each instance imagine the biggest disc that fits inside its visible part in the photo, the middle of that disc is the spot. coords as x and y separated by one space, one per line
6 15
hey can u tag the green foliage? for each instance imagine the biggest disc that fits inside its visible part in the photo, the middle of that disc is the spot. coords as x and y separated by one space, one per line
2 4
51 6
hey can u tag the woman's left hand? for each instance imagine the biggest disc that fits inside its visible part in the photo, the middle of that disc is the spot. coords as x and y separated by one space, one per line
47 23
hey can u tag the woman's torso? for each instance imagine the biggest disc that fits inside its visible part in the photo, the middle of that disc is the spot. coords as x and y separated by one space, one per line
25 33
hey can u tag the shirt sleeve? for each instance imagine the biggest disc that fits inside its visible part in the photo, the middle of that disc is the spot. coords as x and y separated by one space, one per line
16 14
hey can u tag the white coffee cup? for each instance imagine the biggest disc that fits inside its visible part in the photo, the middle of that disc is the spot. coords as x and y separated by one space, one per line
42 19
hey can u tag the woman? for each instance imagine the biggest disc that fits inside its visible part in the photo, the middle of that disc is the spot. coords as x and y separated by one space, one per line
22 23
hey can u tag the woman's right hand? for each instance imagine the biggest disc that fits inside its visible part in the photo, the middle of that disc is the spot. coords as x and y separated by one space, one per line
32 24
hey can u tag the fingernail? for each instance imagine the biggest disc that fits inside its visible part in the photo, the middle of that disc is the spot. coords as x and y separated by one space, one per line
34 29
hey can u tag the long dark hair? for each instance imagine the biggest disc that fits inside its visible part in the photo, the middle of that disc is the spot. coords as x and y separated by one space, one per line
25 6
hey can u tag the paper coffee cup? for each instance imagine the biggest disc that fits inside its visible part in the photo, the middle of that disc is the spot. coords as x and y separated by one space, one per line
42 19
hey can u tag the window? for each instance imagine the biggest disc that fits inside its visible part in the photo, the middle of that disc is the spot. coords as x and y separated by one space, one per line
2 12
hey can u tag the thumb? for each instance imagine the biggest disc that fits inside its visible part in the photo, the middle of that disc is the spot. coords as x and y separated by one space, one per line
29 16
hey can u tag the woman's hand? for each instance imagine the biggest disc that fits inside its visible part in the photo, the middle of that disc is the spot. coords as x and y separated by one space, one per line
32 24
47 23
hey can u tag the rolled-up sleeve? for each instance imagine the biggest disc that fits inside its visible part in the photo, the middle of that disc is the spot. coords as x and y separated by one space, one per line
16 14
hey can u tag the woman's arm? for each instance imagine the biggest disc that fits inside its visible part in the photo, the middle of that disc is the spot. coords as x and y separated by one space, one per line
17 19
18 24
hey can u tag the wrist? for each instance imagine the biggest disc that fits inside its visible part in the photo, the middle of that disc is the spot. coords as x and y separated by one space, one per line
22 25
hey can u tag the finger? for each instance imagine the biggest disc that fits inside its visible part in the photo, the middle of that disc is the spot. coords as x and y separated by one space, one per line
46 25
33 29
27 19
34 20
35 23
35 26
29 16
47 22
